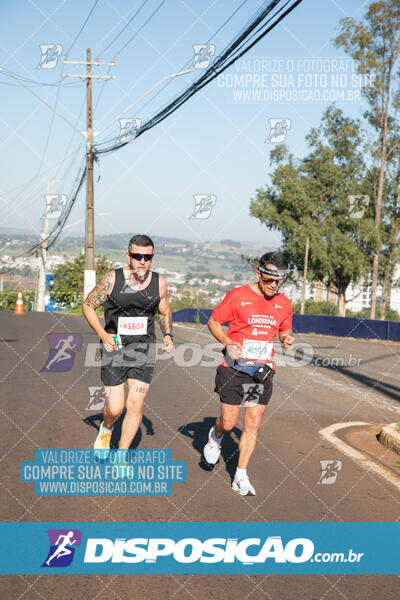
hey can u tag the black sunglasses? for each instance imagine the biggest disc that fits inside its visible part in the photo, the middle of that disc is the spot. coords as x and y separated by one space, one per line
140 256
268 280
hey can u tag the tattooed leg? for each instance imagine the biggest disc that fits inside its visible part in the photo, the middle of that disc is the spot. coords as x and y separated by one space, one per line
134 411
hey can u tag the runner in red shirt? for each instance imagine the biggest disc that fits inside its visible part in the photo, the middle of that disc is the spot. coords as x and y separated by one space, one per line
256 314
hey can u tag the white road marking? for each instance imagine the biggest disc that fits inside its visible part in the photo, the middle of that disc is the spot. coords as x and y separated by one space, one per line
193 330
328 434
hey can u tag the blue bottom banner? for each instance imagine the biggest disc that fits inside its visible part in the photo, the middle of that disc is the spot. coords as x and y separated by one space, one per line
204 548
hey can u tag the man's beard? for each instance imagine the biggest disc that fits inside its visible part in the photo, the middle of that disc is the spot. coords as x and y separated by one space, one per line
140 276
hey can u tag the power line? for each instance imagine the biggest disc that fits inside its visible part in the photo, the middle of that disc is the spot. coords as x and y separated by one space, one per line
59 85
241 44
229 55
125 26
191 60
106 48
141 28
82 27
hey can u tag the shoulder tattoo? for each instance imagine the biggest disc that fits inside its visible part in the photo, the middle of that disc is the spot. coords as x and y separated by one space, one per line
99 294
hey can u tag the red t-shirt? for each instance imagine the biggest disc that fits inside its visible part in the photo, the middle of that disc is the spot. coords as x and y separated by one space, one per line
254 321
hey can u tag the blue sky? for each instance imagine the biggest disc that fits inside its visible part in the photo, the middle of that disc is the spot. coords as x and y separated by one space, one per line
214 144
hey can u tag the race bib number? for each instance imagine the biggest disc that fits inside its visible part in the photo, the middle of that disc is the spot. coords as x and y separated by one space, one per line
132 325
257 350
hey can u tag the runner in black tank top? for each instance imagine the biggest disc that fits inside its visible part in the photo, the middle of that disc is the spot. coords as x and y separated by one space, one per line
132 296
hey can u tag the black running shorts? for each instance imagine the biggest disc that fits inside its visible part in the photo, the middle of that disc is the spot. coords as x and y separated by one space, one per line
238 388
135 361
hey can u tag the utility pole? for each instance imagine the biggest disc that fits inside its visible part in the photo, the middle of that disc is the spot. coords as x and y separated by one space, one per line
89 134
43 251
89 278
303 292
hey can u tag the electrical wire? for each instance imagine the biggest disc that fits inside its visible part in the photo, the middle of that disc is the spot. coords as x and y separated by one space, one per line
124 28
257 28
82 27
233 52
189 62
131 39
49 132
141 28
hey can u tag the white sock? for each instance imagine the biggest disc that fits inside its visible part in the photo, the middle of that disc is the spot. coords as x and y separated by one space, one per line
107 430
240 473
218 440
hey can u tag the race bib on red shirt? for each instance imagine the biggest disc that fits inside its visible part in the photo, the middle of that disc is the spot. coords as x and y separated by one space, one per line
254 318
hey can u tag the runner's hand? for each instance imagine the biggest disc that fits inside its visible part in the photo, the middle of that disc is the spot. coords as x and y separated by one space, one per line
234 350
288 342
108 342
168 344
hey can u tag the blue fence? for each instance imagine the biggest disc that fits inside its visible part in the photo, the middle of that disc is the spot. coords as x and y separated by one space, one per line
339 326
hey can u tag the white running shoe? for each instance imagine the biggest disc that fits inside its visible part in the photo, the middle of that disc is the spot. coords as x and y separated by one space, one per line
212 449
243 486
102 443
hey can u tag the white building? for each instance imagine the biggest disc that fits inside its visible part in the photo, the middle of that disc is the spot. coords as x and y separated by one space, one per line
359 295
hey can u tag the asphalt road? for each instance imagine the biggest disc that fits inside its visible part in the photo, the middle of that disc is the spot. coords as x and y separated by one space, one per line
333 381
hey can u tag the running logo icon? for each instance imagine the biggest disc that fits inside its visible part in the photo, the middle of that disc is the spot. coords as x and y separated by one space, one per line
97 398
278 129
358 204
203 54
128 129
330 469
203 205
50 55
251 394
62 351
62 547
55 205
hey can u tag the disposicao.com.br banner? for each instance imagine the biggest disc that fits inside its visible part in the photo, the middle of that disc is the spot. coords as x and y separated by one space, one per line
164 548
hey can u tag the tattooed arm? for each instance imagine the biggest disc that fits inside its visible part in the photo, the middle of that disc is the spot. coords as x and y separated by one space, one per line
96 298
165 316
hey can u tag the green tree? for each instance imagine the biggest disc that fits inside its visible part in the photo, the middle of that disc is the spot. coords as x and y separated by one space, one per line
391 315
375 45
66 287
311 307
190 299
8 299
390 254
310 197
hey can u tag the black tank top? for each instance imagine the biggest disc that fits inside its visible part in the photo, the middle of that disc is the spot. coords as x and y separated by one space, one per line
126 302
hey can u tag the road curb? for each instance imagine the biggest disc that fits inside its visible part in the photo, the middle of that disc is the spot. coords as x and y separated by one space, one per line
389 436
329 434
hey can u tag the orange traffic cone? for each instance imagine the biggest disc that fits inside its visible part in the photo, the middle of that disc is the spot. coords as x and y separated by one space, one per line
19 307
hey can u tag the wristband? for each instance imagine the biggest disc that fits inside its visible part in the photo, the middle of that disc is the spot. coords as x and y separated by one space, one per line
170 335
